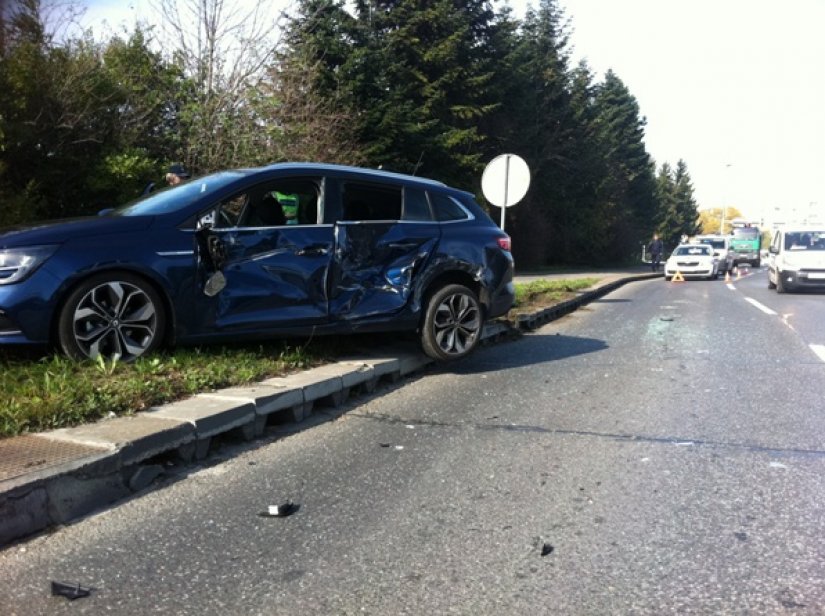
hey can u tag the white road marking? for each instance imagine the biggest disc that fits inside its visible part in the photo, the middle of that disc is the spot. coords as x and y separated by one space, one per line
730 286
819 349
761 307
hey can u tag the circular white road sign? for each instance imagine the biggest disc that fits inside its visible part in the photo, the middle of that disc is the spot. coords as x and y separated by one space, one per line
505 180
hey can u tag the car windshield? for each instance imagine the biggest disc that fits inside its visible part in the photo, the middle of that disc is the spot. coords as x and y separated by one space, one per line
692 251
174 198
745 232
805 240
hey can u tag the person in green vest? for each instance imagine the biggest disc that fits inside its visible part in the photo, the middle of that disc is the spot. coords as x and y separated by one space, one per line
289 204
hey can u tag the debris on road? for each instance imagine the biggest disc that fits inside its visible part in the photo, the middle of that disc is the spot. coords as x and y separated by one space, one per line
70 591
280 511
546 549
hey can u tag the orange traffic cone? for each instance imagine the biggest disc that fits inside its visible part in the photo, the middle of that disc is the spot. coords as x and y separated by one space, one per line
727 275
738 273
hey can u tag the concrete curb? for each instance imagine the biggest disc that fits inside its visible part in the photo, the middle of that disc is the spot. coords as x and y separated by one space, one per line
114 458
529 322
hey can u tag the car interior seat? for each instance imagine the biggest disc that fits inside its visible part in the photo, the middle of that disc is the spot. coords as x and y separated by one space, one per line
267 213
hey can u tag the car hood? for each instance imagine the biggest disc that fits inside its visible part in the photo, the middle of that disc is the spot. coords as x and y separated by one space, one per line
60 231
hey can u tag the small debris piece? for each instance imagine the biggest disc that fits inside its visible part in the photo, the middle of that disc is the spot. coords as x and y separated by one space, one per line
546 549
665 318
775 464
70 591
385 445
741 536
787 600
280 511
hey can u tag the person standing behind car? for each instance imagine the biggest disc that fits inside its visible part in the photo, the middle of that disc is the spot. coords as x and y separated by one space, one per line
655 248
177 174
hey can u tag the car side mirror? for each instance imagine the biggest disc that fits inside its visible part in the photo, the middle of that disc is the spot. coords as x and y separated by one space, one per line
207 221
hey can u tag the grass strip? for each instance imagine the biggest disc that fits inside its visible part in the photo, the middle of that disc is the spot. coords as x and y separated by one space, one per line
56 392
547 292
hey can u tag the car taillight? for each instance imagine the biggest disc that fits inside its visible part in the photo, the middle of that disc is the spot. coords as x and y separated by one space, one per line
504 243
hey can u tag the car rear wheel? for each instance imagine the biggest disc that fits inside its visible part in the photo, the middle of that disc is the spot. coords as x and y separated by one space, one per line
111 315
771 285
452 323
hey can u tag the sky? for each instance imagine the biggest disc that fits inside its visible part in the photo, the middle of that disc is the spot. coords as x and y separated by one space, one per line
735 88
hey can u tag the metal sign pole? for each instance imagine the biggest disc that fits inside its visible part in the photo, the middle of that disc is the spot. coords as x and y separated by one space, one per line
506 188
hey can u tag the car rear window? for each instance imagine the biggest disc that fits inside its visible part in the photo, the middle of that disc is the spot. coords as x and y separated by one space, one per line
692 251
416 206
447 209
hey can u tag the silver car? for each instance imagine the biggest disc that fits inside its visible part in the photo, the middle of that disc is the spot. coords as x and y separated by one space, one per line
721 249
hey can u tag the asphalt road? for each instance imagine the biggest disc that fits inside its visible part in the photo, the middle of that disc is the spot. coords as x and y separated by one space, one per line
666 441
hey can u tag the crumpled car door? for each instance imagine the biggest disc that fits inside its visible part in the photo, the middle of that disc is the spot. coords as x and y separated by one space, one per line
376 266
263 278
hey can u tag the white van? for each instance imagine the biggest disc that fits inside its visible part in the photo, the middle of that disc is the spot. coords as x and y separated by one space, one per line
797 259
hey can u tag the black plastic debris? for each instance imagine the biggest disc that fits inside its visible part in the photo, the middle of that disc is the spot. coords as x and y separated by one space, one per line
741 536
385 445
546 549
70 591
280 511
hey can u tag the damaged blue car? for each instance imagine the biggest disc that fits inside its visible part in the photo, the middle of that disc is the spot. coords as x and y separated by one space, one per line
284 250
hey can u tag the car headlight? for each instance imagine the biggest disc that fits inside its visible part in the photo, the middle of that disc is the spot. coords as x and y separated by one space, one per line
17 263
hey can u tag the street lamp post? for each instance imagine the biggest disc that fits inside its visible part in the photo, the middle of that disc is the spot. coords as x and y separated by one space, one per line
725 204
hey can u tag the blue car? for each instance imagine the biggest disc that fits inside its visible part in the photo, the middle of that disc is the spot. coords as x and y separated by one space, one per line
284 250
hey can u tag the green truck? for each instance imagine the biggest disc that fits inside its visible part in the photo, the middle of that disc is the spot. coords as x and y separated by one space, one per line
745 244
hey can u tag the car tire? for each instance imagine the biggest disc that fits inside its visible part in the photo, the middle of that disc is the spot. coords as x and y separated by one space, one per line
771 285
780 286
111 315
453 322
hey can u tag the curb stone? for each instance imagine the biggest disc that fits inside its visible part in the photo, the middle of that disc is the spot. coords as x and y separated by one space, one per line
114 458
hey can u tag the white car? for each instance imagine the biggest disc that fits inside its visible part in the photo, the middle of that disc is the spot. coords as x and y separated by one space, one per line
692 261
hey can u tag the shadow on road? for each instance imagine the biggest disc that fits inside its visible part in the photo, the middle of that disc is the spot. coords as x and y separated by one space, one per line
526 351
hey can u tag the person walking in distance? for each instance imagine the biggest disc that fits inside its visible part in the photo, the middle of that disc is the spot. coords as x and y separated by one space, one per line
655 248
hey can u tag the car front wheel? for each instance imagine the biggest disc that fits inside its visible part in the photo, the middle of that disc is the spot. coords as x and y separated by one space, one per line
452 323
111 315
780 286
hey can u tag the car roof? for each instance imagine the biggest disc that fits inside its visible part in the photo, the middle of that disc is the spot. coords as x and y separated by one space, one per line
362 172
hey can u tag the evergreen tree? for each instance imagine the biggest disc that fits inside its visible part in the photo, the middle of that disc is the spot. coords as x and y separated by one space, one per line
687 212
541 127
678 213
422 83
628 189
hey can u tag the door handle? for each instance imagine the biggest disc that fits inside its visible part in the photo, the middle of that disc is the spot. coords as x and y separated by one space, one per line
403 245
312 251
